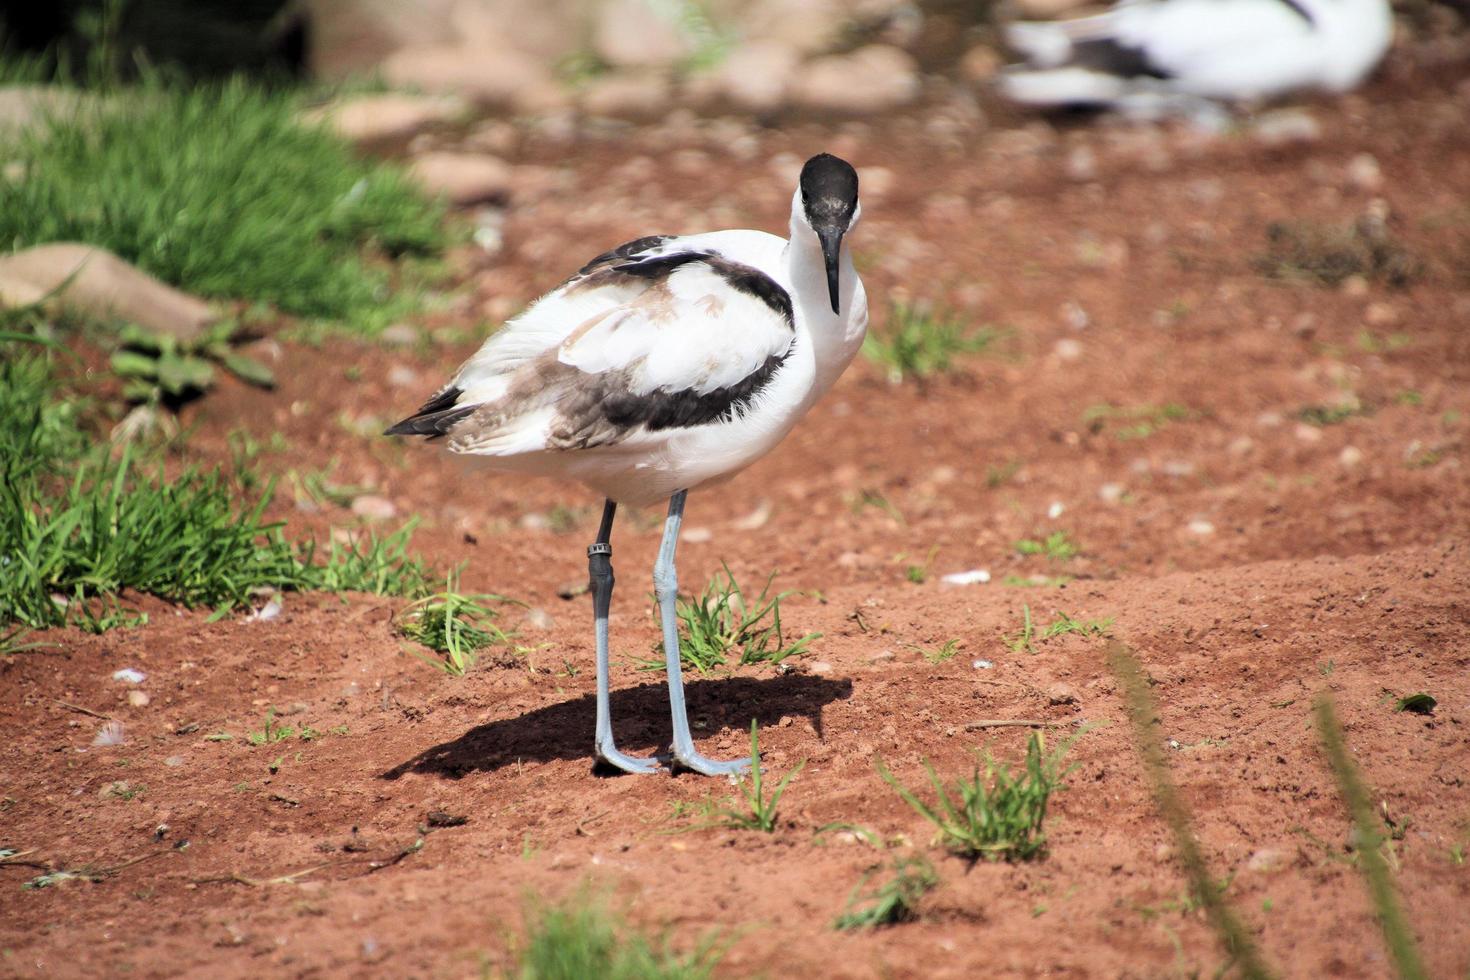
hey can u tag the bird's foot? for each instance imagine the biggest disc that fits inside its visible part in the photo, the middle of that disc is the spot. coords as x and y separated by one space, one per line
691 759
609 754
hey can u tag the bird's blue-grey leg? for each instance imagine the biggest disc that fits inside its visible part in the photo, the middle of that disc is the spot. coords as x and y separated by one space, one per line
600 572
666 587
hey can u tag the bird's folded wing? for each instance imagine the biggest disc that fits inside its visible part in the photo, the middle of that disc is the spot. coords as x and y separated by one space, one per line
635 344
1175 36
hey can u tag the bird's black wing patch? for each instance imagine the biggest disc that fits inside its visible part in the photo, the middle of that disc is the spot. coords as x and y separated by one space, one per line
436 416
1114 58
625 251
737 275
604 411
753 282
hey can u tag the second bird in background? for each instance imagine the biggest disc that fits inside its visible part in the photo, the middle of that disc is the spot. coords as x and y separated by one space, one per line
1149 57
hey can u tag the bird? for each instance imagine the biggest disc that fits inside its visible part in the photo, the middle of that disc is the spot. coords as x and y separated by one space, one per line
665 365
1148 57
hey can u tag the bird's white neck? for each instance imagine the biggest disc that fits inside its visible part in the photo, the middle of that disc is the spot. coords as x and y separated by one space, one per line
834 337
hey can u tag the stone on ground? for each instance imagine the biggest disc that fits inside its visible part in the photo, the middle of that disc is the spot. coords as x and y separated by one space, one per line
93 281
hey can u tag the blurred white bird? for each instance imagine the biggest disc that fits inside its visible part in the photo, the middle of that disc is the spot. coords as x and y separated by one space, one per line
1147 57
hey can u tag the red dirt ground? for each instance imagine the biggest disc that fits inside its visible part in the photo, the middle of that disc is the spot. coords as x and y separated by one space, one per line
1250 558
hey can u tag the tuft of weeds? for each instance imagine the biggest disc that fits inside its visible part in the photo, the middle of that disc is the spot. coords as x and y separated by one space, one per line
1025 638
1325 255
759 813
994 814
219 189
920 342
1057 546
998 475
81 525
942 653
581 938
1134 422
1325 415
1036 581
455 625
919 574
895 900
1210 893
1396 931
272 731
720 620
157 367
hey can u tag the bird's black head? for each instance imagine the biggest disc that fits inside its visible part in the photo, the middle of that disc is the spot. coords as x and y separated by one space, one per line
829 192
829 200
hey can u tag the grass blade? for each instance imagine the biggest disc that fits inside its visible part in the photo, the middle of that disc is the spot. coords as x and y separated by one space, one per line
1396 931
1141 715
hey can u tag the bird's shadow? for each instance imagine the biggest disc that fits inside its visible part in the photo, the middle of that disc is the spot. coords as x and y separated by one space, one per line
640 717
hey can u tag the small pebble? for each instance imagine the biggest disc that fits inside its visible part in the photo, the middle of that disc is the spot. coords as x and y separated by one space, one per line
1364 173
1055 510
1201 527
973 577
1111 493
138 699
819 667
696 535
981 664
1350 456
1307 433
1061 693
1267 860
1068 349
130 675
399 335
402 376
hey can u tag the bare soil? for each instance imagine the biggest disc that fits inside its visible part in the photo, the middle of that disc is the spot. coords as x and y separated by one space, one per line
1252 558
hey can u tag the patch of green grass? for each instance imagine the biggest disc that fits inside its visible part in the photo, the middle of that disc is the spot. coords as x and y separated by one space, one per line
919 342
895 900
1025 638
272 731
1036 581
217 188
1143 716
1324 415
1134 422
758 812
919 574
455 625
997 475
939 654
81 525
581 938
721 620
1064 624
1397 933
868 497
1057 546
157 366
994 814
1325 255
